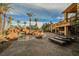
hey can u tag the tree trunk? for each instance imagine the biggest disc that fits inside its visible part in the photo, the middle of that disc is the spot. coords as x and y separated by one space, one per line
30 22
36 23
4 23
0 24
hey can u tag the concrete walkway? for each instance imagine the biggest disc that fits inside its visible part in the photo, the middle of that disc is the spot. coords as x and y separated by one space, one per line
36 47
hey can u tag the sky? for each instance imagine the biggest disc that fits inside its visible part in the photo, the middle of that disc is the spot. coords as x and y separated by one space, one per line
44 12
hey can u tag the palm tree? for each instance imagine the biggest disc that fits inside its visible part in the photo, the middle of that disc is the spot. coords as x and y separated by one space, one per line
10 20
0 24
30 17
36 21
4 8
18 21
25 23
1 12
50 25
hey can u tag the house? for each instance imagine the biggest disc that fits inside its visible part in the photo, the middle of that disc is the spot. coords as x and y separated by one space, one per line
65 26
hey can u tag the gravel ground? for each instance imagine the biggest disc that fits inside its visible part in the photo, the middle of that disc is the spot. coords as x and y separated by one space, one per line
30 46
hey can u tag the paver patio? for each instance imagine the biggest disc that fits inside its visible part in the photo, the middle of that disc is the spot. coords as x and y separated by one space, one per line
37 47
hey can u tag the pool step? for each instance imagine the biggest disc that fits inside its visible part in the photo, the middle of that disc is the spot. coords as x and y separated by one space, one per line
60 42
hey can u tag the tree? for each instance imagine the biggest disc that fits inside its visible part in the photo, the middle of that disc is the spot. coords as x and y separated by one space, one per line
30 18
0 24
4 8
10 20
34 27
36 21
50 25
25 23
1 12
46 27
75 24
18 21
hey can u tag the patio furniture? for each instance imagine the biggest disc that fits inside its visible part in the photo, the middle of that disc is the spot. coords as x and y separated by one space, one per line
71 38
64 39
60 42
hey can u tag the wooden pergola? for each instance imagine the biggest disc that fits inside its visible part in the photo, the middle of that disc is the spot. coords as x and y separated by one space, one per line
70 9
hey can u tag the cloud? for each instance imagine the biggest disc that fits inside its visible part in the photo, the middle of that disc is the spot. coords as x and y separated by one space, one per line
39 24
50 6
43 11
60 17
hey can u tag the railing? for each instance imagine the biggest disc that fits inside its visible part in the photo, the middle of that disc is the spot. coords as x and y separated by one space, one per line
65 22
72 19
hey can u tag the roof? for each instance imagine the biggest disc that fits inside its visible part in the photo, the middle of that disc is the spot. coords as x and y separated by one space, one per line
72 8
